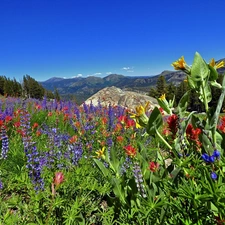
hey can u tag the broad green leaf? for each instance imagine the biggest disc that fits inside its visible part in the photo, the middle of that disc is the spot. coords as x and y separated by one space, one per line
118 190
192 84
102 167
199 69
154 122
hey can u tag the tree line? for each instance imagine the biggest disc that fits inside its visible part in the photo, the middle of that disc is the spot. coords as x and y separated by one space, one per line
28 88
177 91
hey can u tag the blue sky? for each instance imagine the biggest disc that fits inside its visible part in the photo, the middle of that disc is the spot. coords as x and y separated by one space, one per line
68 38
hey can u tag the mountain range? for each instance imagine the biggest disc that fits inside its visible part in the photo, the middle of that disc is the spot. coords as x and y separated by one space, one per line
82 88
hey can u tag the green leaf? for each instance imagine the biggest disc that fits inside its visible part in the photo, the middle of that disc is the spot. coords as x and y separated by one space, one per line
191 83
154 122
215 117
213 73
164 105
199 70
208 94
183 103
215 84
118 191
102 167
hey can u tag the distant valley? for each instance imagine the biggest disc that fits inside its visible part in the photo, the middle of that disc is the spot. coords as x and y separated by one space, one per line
82 88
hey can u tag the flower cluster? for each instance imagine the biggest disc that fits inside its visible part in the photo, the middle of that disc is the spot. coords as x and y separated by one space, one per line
153 166
180 64
5 143
193 134
211 159
221 126
172 122
1 185
130 151
140 116
139 179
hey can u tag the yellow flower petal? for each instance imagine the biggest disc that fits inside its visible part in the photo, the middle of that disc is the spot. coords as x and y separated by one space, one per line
216 65
179 64
100 153
162 97
212 62
220 64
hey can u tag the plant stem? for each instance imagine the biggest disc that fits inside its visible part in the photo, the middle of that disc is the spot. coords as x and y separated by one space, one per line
205 99
163 140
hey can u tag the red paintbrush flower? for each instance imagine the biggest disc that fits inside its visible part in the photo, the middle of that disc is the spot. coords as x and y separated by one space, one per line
130 151
153 166
172 124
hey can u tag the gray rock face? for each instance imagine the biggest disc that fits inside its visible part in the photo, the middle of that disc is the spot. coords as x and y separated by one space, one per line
115 96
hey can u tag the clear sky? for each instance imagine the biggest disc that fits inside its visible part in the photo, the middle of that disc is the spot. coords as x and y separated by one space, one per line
68 38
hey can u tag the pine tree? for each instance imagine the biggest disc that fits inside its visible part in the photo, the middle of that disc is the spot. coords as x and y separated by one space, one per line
161 86
31 88
170 91
56 94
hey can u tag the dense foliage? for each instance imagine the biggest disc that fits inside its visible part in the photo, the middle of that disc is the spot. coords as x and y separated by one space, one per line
28 88
171 90
65 164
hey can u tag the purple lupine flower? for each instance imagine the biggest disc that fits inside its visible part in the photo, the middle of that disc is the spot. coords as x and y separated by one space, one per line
75 151
126 165
34 161
77 112
44 102
92 108
211 159
111 117
99 105
5 143
207 158
1 185
109 141
85 107
35 166
216 153
139 179
213 175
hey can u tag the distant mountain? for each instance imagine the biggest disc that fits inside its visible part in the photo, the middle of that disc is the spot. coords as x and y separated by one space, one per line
83 88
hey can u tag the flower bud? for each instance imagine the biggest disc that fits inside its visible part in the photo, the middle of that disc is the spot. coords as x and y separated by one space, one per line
59 178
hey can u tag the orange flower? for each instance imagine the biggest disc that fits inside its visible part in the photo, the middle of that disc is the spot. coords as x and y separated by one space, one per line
38 133
118 127
130 151
73 139
35 125
104 120
119 138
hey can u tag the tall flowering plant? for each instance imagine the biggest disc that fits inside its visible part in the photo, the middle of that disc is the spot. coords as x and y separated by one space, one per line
182 170
194 144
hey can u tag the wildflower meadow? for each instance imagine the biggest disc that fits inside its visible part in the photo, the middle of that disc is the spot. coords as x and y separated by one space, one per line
61 163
